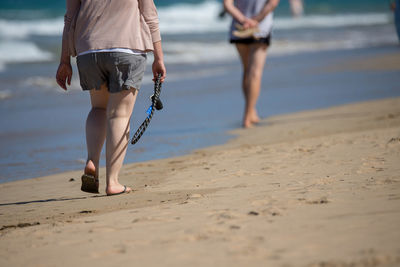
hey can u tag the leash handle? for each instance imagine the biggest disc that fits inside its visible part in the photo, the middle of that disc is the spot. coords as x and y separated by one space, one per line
155 103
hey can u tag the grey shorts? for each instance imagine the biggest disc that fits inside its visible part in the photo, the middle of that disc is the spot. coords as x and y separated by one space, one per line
118 70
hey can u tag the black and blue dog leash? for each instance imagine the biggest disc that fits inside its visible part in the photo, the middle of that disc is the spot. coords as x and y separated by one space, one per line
155 104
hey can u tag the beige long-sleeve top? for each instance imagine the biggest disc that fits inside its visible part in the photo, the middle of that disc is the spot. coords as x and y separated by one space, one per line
102 24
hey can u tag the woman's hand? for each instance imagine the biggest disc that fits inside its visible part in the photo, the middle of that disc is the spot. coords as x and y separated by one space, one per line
250 23
158 67
64 74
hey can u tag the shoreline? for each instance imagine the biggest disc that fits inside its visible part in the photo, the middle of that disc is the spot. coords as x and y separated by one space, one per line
303 189
291 83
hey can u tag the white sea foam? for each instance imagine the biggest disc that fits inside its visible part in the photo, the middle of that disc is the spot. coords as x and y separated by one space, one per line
4 94
332 21
200 18
17 46
16 29
188 74
185 18
195 52
21 51
203 18
40 82
49 84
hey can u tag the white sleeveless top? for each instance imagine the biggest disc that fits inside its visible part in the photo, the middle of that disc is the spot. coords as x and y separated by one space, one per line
250 8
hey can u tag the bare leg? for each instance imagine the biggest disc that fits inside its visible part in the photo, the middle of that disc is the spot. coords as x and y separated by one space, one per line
96 129
253 59
258 54
244 53
119 110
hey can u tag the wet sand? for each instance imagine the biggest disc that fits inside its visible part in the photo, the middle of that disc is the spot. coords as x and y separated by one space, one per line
201 103
315 188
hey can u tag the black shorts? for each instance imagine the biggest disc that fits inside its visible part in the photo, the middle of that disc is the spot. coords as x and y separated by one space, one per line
252 40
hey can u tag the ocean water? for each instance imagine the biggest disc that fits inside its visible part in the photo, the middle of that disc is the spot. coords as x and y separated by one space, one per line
42 126
35 28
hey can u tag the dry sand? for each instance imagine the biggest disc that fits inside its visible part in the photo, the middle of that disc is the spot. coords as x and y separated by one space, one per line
318 188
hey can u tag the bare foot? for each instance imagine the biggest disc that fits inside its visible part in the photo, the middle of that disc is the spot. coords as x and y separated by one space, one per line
250 119
253 116
117 189
255 119
247 124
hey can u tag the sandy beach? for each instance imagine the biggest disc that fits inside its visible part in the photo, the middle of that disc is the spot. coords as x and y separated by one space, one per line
315 188
316 183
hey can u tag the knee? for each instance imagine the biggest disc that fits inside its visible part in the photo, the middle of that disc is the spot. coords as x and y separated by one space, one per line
121 105
255 74
119 112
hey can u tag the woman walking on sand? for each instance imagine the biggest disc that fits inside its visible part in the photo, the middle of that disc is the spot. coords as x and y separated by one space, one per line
251 33
111 39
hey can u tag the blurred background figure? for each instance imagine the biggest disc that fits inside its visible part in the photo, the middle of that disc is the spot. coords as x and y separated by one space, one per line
251 33
395 6
296 7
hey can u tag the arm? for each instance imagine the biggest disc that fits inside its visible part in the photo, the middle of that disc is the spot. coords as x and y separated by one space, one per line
149 12
158 66
239 16
268 8
64 72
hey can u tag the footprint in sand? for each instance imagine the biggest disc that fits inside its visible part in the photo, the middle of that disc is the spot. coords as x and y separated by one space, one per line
102 229
372 165
272 211
86 211
224 215
321 200
20 225
393 141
